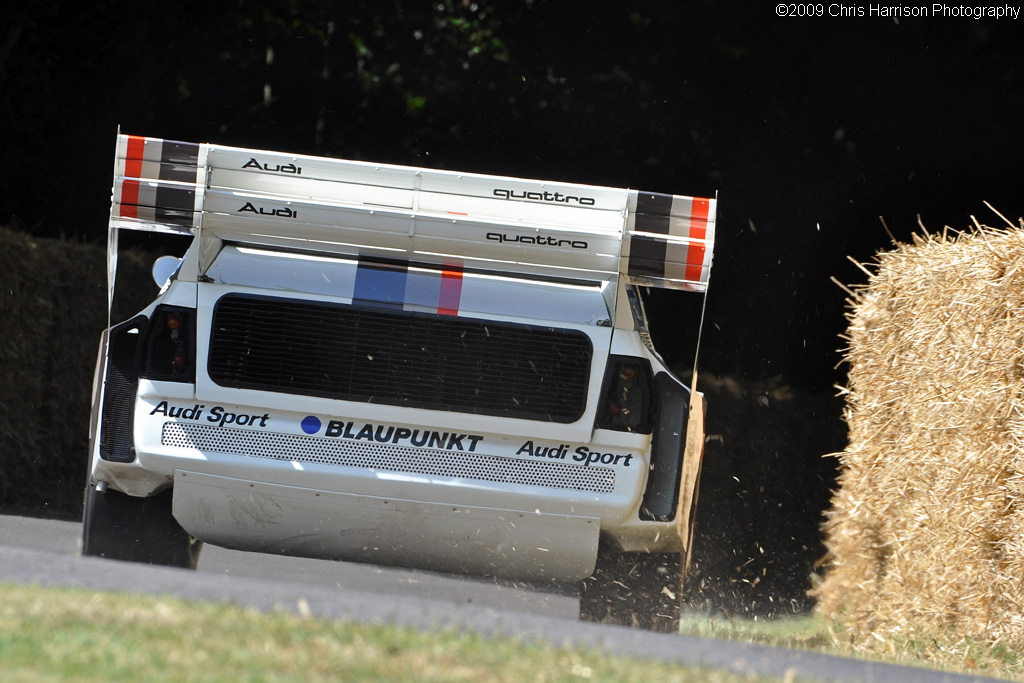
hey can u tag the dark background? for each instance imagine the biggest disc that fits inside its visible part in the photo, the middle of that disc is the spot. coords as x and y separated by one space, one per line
809 130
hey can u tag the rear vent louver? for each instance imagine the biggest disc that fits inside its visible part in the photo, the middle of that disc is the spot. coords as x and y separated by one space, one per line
122 380
400 358
668 443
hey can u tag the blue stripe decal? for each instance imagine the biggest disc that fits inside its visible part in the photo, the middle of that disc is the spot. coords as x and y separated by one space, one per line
381 283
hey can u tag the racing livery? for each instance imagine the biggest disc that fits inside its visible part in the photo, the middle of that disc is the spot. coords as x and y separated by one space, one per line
396 365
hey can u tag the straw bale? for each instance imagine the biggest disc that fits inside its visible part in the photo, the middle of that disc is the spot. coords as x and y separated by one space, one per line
926 531
53 307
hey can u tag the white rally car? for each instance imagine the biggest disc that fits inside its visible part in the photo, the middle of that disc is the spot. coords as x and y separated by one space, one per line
401 366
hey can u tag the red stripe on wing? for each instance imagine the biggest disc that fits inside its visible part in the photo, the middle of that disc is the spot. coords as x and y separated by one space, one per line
133 156
698 230
129 198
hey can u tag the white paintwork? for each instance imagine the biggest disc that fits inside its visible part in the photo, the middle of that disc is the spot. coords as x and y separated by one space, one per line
305 475
254 515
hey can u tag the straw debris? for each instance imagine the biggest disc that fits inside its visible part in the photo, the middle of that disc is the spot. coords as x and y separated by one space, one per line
925 537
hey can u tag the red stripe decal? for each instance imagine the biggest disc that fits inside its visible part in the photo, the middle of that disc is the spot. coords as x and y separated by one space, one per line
130 199
698 230
451 291
133 157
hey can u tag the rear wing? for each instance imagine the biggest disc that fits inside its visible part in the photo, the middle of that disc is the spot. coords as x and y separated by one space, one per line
548 229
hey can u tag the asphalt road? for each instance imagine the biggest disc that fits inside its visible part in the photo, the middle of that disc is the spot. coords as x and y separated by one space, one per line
45 552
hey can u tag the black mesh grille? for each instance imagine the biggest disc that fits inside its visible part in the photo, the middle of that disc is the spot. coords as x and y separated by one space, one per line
116 442
400 358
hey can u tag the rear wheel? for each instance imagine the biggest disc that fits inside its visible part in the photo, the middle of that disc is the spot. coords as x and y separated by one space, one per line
121 527
634 589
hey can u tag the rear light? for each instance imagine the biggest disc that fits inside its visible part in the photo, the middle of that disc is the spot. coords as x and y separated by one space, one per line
627 398
170 348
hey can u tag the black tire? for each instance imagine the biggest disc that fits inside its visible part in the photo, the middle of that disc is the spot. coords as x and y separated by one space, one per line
121 527
634 589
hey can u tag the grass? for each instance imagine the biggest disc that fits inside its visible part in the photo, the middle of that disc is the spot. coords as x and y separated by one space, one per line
803 632
814 632
81 635
75 634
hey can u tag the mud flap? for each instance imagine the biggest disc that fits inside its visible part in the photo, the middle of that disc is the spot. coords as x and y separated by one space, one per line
693 456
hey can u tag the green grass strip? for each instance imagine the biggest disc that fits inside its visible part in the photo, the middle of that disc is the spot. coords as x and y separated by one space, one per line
81 635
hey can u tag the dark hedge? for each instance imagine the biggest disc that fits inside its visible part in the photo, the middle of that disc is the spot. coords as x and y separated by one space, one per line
53 307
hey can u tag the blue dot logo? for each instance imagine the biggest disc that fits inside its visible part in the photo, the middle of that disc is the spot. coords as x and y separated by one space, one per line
311 424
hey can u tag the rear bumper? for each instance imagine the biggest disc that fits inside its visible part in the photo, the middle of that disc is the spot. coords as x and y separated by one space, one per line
298 483
291 520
